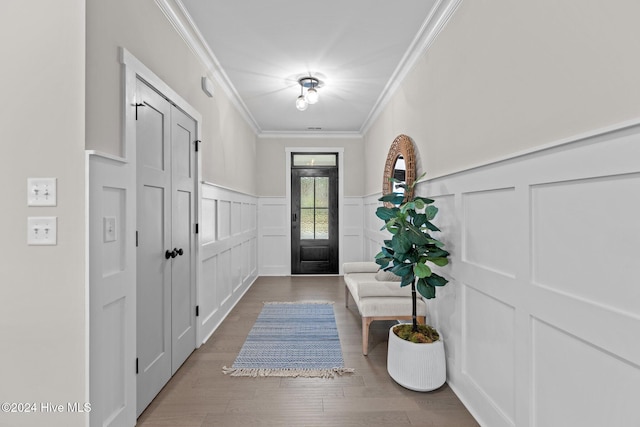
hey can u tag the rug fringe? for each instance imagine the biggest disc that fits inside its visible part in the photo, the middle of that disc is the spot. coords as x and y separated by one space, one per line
291 373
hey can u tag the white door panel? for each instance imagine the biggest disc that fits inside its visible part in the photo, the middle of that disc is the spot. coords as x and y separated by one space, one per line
154 238
166 244
183 130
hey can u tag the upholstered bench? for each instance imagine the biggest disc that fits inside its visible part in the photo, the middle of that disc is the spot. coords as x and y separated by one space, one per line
378 295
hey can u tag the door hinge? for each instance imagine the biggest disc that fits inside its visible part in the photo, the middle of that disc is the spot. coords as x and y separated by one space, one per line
197 228
136 365
137 105
197 310
136 239
197 144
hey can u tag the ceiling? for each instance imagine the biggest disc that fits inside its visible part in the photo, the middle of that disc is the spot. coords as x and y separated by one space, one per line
357 48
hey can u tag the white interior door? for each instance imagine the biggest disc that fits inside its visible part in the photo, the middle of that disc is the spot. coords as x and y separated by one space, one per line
166 244
154 239
183 301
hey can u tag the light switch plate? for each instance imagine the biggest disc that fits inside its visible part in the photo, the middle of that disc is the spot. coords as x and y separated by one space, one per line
41 192
42 230
109 226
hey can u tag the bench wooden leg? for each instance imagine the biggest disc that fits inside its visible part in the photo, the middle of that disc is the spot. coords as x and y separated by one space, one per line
366 321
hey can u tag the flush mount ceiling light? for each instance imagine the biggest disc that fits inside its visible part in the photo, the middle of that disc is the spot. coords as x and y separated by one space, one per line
311 84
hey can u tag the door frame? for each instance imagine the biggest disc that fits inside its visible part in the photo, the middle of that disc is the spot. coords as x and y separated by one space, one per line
340 151
134 69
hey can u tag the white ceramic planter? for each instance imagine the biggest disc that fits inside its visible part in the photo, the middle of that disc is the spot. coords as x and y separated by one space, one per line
418 367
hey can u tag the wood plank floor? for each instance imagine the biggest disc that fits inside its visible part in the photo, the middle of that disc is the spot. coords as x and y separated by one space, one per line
200 395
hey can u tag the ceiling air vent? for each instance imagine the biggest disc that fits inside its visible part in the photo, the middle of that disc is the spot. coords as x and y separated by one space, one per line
314 128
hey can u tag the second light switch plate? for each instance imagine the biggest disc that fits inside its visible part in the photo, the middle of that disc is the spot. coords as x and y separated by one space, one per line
42 230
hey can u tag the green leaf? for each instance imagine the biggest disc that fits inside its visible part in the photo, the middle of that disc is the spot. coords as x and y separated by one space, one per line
431 212
425 200
421 270
436 280
400 243
419 204
383 262
418 180
409 206
407 280
393 198
387 252
391 226
402 269
419 220
431 227
385 213
416 236
437 253
425 289
435 242
440 262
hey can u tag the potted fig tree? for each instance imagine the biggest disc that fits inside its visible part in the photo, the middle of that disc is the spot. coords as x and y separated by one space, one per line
415 359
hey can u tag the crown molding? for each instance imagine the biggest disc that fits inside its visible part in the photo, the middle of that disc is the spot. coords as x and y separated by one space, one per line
427 34
180 19
309 135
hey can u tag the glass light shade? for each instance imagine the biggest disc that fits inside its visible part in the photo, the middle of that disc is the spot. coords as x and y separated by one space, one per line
301 103
312 96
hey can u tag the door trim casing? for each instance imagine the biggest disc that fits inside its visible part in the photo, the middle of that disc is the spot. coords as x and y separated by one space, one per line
340 151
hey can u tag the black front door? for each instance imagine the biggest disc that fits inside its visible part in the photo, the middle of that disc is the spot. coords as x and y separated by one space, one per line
314 220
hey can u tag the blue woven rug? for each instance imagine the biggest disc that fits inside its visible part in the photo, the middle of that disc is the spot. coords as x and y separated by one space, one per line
291 340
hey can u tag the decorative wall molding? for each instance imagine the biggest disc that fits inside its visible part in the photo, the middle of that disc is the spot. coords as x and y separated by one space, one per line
352 232
541 149
372 235
229 248
111 290
542 283
273 236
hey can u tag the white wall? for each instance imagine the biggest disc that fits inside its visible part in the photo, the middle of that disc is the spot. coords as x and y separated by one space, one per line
228 142
540 317
504 77
42 289
229 252
271 162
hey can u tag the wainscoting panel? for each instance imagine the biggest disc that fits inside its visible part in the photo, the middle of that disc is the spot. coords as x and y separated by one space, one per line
573 371
541 315
228 248
353 242
274 244
577 220
372 235
111 290
489 230
208 227
488 349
